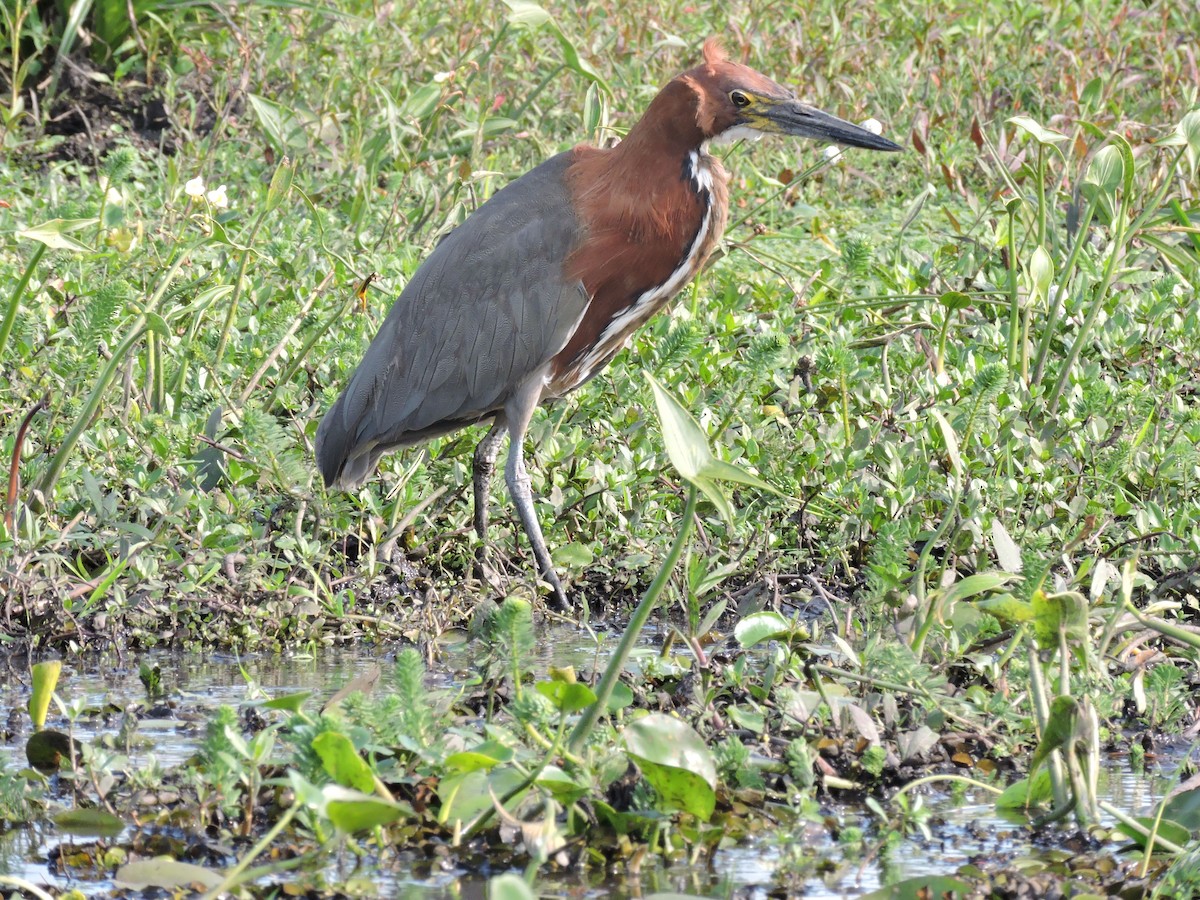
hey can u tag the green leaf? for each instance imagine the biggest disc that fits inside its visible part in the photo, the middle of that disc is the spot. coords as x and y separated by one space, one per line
96 822
954 300
1025 793
573 555
1188 130
762 626
45 679
567 698
466 795
1041 273
1007 608
525 14
281 183
1062 725
974 585
509 887
1105 174
1045 136
1165 828
342 762
621 697
675 761
280 124
422 102
54 233
351 811
288 702
167 874
48 750
951 441
1067 610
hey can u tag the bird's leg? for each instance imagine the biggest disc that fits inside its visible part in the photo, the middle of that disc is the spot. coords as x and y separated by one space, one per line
483 467
519 411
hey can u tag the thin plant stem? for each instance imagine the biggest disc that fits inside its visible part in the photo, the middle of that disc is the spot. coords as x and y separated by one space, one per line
633 630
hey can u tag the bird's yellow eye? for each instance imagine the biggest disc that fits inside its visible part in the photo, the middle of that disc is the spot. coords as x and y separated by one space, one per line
738 99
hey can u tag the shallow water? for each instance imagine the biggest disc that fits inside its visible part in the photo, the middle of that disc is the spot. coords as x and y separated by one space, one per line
965 825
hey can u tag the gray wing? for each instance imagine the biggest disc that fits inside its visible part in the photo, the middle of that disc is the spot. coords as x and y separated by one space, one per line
488 307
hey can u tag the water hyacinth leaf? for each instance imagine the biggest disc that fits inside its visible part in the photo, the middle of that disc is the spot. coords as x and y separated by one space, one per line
566 790
342 762
762 626
54 233
509 887
675 761
621 697
567 698
352 811
465 796
167 874
45 680
1045 136
48 750
96 822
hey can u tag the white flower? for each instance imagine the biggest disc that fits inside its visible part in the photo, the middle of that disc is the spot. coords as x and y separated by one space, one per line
833 154
872 125
195 188
218 198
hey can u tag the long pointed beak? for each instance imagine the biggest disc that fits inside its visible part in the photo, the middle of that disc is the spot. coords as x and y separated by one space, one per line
800 120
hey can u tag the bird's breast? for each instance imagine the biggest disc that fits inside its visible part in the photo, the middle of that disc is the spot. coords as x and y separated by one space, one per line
641 247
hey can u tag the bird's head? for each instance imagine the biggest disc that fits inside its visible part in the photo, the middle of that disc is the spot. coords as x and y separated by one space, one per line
734 101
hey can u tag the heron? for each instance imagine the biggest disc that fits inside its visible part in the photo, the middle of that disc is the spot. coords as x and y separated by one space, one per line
543 284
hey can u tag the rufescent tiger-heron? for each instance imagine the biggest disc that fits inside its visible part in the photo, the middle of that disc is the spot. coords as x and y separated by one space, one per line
543 284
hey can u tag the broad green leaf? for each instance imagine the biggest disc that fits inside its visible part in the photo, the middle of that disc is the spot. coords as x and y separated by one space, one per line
351 811
288 702
719 470
567 698
1008 554
54 233
167 874
566 790
1189 130
573 555
974 585
1007 608
954 300
526 14
1024 793
675 761
509 887
342 762
1166 829
1045 136
466 795
685 440
45 680
280 124
621 697
421 103
1105 174
762 626
1067 610
97 822
487 755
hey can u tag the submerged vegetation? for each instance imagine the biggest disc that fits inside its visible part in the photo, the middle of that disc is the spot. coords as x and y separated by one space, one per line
936 517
